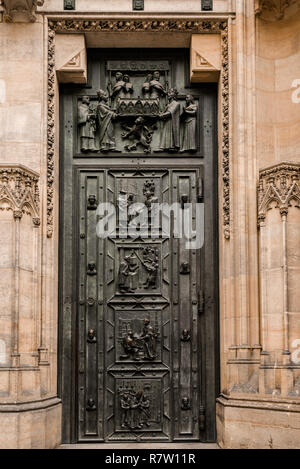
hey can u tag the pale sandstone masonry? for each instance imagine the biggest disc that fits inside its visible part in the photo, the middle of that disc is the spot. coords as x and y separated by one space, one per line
259 405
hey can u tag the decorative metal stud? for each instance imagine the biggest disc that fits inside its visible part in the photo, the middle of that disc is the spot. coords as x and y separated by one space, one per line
91 337
185 268
185 403
91 269
90 404
185 336
92 202
184 200
91 301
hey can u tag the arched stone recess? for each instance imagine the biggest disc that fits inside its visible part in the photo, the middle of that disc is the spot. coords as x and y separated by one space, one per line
23 379
19 223
279 228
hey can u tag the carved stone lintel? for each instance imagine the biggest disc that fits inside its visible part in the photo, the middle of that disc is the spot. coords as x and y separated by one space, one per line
273 10
280 184
153 25
21 11
19 192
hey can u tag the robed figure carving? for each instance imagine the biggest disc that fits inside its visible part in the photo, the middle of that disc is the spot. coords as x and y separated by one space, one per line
87 125
146 86
153 86
170 135
189 118
123 88
105 117
118 86
127 89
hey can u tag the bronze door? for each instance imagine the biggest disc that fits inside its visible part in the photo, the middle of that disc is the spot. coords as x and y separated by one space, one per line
138 328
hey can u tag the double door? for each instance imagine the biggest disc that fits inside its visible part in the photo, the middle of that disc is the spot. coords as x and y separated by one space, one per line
138 322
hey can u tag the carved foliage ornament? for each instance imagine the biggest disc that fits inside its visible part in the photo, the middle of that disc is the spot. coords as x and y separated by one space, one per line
19 192
163 25
279 184
21 10
273 10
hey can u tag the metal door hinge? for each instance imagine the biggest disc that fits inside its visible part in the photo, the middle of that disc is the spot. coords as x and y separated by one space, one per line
201 302
202 417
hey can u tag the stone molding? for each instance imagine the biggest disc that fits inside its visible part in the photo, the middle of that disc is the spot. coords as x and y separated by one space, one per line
273 10
19 192
21 11
78 25
27 406
280 184
50 132
259 402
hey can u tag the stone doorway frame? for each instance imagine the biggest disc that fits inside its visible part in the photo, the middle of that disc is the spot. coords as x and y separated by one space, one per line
179 25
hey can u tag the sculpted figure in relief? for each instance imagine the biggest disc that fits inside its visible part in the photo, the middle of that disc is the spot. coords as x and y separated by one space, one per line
87 125
106 117
189 118
170 134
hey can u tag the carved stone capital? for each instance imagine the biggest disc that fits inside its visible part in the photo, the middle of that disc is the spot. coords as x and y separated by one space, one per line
19 192
21 11
280 184
274 10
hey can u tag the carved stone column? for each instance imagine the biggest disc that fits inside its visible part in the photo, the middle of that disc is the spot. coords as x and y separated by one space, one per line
239 277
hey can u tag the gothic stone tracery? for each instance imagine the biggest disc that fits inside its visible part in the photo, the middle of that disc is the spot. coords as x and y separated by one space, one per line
279 184
19 192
